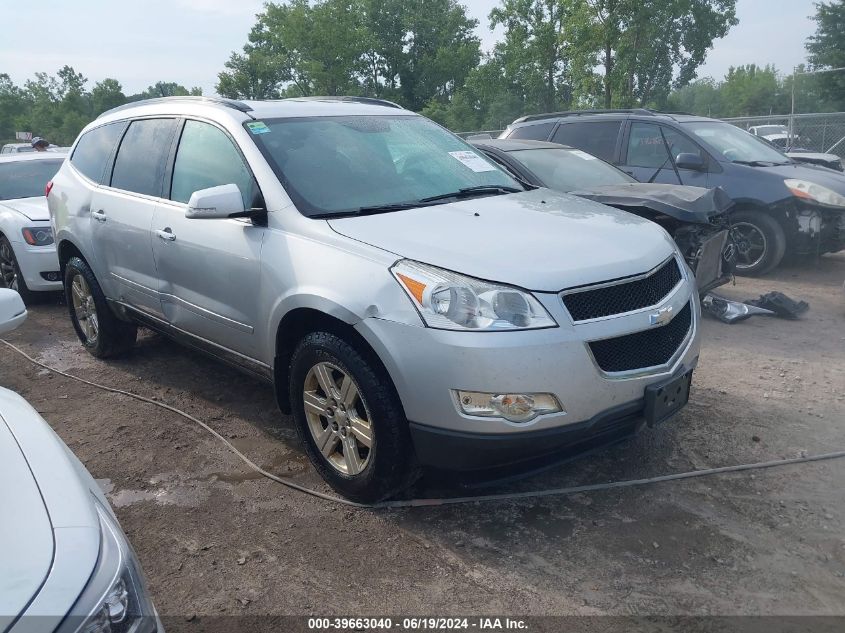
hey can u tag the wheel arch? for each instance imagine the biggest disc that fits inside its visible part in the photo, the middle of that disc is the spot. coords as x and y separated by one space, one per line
65 251
294 326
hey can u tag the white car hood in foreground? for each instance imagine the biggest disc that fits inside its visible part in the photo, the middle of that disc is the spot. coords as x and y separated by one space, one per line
49 532
539 240
33 208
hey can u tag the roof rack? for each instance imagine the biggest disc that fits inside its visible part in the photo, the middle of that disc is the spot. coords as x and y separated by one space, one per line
548 115
229 103
350 99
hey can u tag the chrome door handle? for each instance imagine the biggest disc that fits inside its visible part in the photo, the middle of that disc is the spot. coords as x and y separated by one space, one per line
166 234
100 215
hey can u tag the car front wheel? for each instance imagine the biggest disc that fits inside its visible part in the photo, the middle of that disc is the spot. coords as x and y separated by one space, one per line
350 420
10 271
760 242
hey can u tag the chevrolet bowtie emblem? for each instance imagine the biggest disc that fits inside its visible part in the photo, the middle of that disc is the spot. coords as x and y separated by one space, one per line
661 317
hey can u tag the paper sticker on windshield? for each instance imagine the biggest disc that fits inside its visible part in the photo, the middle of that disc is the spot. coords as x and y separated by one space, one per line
583 155
473 161
258 127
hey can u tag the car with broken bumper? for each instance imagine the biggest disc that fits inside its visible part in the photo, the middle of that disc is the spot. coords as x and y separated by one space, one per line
697 218
67 566
411 303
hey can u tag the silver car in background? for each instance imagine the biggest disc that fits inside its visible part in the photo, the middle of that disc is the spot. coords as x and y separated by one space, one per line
411 302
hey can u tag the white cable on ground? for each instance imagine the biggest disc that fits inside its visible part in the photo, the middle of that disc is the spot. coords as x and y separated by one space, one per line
407 503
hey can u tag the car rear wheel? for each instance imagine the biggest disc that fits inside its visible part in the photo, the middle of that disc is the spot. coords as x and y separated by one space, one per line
350 420
10 271
760 242
99 330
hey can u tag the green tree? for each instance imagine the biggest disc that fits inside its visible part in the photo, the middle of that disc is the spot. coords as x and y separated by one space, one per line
166 89
645 48
11 107
534 53
750 90
106 94
826 49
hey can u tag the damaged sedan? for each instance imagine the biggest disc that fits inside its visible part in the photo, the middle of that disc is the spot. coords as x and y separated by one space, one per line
695 217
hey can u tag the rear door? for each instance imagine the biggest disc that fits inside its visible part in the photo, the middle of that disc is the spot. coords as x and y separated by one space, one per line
599 138
209 270
122 213
644 154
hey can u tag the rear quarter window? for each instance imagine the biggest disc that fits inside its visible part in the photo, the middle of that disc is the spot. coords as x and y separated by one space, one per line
538 132
596 137
94 148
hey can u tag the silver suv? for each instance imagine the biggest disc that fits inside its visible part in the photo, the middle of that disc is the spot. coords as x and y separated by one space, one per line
411 303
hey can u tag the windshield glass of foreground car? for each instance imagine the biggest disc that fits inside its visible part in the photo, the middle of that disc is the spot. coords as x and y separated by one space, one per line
568 170
734 144
26 178
337 165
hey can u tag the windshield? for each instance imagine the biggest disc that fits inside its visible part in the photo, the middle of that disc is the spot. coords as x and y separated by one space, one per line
26 178
342 164
568 169
735 145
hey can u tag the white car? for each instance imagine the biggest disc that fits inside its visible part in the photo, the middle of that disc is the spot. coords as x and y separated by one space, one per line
66 564
16 148
28 261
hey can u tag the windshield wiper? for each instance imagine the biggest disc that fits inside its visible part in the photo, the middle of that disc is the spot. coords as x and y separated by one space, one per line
370 210
759 163
468 192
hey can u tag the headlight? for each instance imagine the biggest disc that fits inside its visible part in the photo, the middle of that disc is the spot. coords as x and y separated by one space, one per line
450 301
37 235
115 599
812 191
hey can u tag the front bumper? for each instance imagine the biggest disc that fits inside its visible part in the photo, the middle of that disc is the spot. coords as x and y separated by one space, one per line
426 365
35 260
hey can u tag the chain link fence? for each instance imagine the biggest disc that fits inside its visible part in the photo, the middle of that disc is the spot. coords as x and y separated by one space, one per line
822 132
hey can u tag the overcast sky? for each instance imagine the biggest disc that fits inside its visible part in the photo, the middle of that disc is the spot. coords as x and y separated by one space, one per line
188 41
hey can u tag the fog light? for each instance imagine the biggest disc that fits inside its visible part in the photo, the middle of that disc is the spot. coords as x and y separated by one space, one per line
515 407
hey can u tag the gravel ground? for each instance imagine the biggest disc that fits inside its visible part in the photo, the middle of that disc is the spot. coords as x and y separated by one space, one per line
217 539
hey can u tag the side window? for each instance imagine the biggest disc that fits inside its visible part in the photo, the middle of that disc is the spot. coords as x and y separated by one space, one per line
139 166
94 148
207 158
539 132
596 137
646 147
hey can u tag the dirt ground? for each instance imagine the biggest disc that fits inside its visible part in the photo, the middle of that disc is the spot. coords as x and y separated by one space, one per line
216 539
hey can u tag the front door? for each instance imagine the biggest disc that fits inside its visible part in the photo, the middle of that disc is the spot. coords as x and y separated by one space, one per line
122 212
209 270
646 154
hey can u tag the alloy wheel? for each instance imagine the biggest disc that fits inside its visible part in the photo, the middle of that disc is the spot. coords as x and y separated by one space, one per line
751 244
85 308
8 269
338 419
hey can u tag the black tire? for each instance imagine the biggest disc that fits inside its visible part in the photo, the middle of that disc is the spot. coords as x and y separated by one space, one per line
390 464
113 337
10 272
760 240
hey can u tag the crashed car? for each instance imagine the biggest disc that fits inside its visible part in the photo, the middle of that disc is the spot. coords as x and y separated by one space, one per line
695 217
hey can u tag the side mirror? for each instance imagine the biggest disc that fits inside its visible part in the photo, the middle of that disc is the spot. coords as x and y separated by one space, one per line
224 201
12 310
690 161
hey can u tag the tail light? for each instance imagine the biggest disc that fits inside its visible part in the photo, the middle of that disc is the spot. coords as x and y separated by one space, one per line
48 188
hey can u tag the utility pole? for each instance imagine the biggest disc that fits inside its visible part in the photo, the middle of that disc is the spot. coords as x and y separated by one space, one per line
795 74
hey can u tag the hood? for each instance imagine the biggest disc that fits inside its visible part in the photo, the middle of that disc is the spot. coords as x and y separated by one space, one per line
50 534
33 208
799 154
26 535
685 203
538 240
823 176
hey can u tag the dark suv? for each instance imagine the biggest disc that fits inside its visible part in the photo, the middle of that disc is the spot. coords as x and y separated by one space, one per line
782 207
